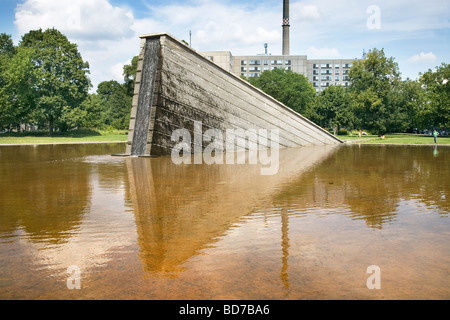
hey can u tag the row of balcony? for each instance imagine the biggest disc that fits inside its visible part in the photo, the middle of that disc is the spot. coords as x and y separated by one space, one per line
329 78
327 84
330 72
258 69
266 62
330 66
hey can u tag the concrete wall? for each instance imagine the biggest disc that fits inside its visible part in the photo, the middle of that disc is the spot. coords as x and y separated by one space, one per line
189 87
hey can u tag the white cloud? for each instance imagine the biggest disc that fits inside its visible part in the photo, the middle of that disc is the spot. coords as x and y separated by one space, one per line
108 35
301 12
314 53
104 33
81 19
215 25
423 57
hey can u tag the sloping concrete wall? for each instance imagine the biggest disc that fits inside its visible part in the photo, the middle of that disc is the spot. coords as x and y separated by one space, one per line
187 87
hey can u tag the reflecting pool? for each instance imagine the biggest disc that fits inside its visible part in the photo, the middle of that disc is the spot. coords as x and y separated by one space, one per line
145 228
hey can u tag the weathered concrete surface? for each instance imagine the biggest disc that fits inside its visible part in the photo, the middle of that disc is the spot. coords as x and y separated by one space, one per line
187 87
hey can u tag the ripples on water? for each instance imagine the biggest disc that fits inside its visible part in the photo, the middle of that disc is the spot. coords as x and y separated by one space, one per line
141 228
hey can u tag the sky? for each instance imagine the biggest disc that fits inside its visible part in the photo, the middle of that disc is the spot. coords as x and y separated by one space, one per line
415 33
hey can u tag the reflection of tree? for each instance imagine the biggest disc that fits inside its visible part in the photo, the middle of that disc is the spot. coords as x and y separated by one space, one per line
45 190
371 181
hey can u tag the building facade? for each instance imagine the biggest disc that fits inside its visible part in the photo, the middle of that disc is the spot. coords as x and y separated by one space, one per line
321 73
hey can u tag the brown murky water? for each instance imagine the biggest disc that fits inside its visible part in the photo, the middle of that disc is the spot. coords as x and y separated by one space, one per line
139 228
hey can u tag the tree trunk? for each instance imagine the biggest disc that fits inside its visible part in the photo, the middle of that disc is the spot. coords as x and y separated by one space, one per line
50 127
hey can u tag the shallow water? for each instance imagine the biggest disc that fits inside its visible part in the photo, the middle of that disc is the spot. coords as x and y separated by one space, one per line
140 228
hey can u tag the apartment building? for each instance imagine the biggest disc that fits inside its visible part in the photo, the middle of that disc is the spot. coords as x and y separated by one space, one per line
321 73
325 73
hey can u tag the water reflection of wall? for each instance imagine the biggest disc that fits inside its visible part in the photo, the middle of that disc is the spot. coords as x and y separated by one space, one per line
369 183
180 209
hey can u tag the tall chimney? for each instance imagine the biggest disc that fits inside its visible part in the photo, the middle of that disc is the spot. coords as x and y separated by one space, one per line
286 27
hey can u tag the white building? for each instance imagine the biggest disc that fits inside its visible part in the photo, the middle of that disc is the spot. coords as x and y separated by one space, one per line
321 73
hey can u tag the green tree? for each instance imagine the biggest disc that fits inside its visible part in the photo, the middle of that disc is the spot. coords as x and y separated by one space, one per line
16 94
116 104
436 84
333 108
129 75
292 89
408 99
7 51
92 112
372 82
61 81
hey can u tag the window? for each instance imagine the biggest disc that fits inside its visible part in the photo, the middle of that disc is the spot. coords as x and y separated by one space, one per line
277 62
315 85
254 69
287 68
315 66
287 62
255 62
336 78
243 68
336 66
315 71
266 62
336 71
243 62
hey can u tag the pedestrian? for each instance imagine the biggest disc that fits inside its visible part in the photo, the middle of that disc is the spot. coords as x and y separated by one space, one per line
435 134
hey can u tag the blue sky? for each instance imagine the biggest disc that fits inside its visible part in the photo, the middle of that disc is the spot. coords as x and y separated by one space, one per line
416 33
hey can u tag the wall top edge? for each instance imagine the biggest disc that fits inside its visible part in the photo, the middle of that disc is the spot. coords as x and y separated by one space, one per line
156 35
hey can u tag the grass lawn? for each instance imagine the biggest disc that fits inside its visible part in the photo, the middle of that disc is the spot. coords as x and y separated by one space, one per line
398 139
78 136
